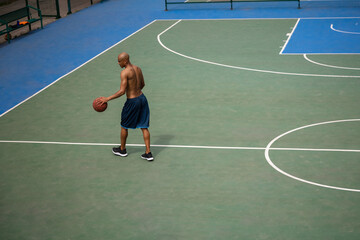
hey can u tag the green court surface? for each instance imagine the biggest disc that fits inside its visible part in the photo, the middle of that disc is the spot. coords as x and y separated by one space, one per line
219 94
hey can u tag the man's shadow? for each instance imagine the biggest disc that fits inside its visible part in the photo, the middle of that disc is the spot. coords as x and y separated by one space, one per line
154 142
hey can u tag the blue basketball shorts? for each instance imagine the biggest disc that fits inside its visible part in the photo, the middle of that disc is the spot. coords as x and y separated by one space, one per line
135 113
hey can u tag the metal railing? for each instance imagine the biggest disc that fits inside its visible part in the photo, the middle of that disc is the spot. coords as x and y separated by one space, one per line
169 2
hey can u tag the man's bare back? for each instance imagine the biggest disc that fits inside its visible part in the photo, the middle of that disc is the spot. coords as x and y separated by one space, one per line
135 80
132 79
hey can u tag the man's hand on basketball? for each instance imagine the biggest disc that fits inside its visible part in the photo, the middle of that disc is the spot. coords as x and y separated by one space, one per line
103 100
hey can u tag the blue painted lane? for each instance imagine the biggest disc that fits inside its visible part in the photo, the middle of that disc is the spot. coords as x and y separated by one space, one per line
325 36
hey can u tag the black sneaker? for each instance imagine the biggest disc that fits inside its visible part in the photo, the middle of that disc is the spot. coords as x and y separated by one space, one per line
119 152
147 156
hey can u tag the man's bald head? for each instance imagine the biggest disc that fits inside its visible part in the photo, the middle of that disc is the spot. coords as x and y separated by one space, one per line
123 56
123 59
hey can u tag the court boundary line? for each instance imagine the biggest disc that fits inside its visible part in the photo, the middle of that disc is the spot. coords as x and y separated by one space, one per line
243 68
83 64
182 146
287 41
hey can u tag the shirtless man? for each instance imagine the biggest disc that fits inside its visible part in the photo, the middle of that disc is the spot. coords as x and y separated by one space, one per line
135 113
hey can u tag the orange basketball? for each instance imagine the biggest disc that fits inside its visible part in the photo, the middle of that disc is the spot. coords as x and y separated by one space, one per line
98 106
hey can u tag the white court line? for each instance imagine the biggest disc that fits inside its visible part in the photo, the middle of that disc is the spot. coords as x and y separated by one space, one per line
73 70
330 66
243 68
297 22
268 159
182 146
132 145
336 30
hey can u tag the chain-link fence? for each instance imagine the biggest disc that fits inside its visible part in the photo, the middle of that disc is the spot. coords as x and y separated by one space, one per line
50 9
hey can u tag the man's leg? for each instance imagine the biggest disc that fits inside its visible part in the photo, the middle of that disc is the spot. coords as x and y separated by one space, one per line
147 155
146 135
121 151
123 137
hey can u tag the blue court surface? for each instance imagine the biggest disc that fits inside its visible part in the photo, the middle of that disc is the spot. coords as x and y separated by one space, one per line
325 36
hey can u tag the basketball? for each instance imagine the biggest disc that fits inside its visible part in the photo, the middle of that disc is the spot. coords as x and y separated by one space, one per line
98 106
